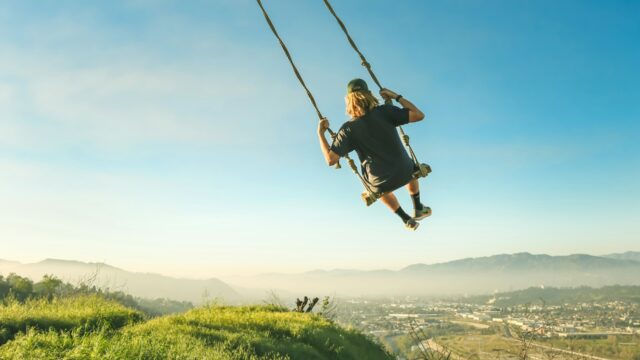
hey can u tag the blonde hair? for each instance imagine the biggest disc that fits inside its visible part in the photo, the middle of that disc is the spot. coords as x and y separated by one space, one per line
360 102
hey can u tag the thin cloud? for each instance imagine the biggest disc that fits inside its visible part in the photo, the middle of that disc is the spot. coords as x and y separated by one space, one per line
115 96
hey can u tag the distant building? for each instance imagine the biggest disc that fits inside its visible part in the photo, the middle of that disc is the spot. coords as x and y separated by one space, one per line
403 316
583 335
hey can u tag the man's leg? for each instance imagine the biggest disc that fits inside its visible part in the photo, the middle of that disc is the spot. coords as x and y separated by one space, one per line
392 203
420 211
413 187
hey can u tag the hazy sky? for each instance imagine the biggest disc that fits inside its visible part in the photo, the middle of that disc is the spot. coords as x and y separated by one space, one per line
172 137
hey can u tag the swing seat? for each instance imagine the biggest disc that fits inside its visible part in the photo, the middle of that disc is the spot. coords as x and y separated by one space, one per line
422 171
369 197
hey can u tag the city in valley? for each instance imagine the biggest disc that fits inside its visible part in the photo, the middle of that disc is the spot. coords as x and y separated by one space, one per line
502 327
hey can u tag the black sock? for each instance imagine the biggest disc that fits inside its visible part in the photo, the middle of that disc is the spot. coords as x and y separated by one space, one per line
416 201
403 215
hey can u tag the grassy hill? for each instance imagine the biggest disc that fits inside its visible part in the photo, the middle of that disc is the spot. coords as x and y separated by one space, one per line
90 327
89 312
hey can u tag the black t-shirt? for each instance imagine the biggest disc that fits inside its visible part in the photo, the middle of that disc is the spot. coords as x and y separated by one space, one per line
384 160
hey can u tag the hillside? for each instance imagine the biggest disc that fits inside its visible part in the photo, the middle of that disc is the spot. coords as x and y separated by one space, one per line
560 296
211 332
63 314
144 285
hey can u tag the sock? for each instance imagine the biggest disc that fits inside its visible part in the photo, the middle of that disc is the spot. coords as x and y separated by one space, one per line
403 215
416 201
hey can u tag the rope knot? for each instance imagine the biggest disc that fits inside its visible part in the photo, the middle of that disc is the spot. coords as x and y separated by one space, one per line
405 139
366 64
352 165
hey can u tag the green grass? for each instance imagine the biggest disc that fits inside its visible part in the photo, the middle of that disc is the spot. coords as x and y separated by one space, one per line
213 332
490 347
78 312
614 347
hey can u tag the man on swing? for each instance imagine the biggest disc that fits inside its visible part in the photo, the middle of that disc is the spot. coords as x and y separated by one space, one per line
371 132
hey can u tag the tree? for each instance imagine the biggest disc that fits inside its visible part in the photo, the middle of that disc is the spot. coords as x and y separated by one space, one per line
4 287
21 287
48 287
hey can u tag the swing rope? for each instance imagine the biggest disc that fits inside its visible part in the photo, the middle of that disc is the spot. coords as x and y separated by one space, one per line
295 68
367 65
352 164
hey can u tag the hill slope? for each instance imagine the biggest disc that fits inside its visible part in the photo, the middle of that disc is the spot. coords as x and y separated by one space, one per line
212 332
68 313
560 296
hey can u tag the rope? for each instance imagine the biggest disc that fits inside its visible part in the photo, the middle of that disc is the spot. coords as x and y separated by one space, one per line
363 60
293 65
295 69
352 164
405 140
367 65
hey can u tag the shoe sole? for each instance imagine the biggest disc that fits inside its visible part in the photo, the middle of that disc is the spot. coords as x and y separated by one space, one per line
423 216
413 228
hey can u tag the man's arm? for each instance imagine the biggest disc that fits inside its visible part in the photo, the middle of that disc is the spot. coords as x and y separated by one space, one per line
331 157
414 113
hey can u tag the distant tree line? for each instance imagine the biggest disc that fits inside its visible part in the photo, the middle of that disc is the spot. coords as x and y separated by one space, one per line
14 287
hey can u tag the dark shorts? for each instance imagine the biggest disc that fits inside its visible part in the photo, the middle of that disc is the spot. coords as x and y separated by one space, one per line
399 180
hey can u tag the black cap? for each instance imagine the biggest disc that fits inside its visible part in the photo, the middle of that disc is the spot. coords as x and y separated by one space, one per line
357 85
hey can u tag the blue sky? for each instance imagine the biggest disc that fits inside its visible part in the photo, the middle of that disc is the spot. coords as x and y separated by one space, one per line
171 137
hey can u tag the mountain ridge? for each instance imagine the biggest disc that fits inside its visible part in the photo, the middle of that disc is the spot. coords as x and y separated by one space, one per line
477 275
604 258
516 262
628 255
472 275
145 285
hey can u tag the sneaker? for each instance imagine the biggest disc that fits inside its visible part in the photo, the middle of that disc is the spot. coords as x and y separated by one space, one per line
411 225
422 213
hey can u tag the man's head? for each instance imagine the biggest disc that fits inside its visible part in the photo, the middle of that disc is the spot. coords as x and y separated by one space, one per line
359 99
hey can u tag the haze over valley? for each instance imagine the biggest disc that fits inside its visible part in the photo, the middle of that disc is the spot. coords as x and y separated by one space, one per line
471 276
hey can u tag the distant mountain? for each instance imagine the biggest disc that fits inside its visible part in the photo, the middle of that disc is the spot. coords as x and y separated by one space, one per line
137 284
629 255
7 262
524 262
470 276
